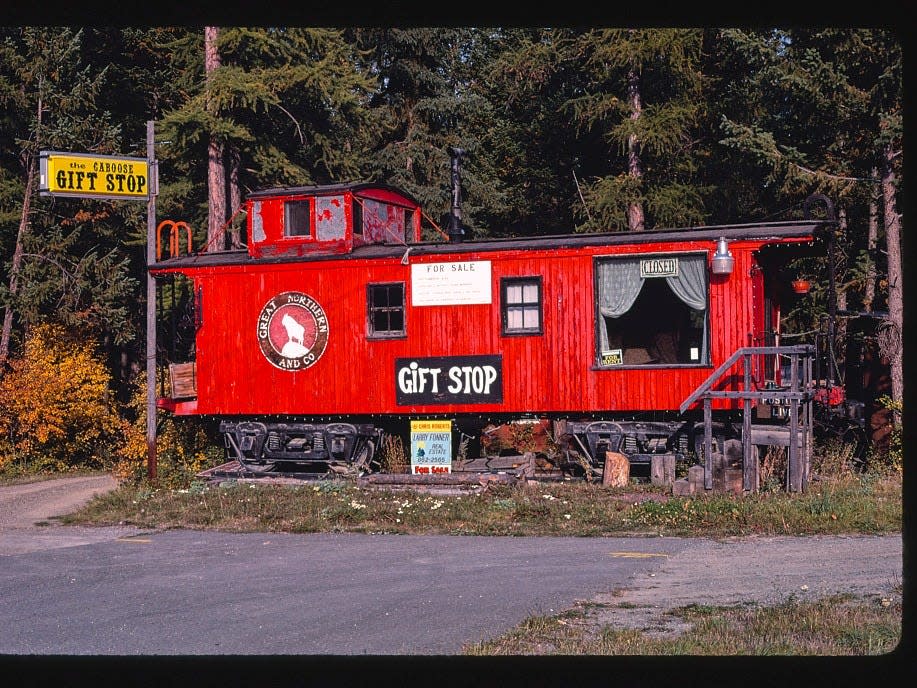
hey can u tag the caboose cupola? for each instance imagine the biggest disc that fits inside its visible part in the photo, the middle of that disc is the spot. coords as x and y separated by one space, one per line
328 220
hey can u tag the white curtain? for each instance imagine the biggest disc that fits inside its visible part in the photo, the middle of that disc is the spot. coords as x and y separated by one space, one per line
619 285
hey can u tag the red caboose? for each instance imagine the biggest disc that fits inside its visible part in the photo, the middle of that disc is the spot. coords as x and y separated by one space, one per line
337 323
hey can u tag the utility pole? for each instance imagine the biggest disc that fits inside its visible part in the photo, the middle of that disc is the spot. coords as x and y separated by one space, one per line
151 303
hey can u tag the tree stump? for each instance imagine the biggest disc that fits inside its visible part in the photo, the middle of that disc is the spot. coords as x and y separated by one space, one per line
617 470
662 469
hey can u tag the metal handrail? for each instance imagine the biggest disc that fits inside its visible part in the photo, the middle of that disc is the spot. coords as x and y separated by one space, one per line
805 349
796 474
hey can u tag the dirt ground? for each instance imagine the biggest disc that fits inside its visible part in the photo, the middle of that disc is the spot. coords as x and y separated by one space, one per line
753 571
22 506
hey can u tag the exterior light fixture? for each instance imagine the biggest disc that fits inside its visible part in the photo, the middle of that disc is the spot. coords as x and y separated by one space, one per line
723 261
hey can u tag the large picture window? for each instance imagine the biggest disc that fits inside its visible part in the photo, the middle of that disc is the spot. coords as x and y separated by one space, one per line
385 310
652 310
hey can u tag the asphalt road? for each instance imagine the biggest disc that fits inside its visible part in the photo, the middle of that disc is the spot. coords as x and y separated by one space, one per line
126 592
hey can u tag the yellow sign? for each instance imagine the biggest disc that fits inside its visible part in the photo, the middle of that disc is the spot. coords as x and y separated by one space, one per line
431 446
94 176
613 357
431 426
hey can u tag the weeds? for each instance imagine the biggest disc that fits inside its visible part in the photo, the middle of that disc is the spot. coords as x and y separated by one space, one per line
833 626
870 504
393 458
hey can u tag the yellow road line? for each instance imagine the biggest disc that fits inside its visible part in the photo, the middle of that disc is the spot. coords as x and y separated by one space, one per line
637 555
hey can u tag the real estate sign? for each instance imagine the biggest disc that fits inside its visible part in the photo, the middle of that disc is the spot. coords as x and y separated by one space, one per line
431 446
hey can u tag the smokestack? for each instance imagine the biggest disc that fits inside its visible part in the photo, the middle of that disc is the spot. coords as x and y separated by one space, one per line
456 231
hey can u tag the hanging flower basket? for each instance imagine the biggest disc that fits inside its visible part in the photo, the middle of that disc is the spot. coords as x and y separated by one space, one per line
801 286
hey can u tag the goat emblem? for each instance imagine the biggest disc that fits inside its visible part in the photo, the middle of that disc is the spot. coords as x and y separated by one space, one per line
292 331
295 331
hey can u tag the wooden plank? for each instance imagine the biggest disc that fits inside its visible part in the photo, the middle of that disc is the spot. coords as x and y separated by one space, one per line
772 435
662 469
183 377
749 463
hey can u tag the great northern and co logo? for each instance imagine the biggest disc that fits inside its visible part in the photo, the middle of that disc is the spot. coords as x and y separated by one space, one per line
292 331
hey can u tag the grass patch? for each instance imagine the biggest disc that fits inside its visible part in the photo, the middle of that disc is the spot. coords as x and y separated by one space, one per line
833 626
849 505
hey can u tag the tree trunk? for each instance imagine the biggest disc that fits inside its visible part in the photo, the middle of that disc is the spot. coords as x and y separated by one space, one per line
235 195
17 262
635 218
840 269
20 240
892 220
216 174
869 293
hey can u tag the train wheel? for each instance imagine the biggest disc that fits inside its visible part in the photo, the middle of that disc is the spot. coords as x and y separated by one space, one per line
363 461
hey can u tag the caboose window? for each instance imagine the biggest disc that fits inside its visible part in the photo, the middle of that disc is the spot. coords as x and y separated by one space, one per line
330 220
645 319
297 217
521 305
385 310
382 222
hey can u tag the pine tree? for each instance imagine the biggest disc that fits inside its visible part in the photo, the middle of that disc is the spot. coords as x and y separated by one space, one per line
63 266
644 100
424 104
285 105
823 113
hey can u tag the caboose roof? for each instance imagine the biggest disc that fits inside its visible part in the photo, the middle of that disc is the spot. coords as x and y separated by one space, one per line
329 189
736 232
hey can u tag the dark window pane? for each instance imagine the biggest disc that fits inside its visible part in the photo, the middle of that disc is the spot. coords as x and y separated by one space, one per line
296 218
386 309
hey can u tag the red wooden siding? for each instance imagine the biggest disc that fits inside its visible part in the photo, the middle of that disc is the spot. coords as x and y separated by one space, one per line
551 372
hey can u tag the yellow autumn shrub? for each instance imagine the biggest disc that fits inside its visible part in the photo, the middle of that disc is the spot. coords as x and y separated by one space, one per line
56 406
183 446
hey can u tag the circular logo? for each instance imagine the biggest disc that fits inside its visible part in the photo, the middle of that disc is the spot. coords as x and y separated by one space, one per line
292 331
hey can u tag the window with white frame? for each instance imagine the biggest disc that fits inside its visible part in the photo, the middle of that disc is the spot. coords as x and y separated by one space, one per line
521 305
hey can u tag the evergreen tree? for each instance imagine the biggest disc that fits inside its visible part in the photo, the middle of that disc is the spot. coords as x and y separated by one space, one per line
533 145
822 113
64 264
644 99
286 105
424 104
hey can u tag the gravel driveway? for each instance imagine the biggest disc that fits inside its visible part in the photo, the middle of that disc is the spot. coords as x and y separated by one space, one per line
29 513
22 506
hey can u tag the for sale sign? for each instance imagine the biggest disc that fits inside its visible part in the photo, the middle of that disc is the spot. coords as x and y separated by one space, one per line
431 446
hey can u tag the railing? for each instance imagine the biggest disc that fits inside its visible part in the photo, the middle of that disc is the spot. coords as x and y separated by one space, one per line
174 238
797 392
